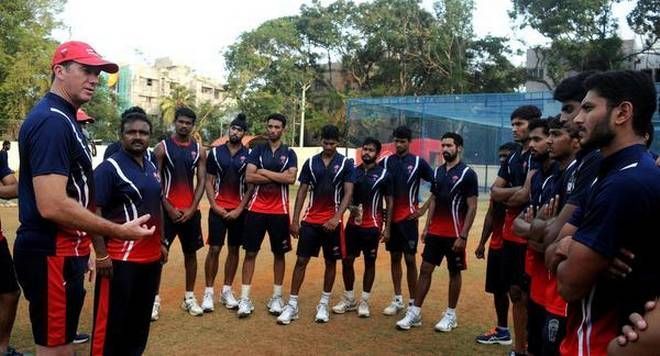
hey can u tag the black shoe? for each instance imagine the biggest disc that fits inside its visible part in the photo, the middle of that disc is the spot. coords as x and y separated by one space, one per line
80 338
11 352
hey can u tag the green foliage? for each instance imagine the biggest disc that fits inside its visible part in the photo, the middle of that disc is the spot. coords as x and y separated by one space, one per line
103 108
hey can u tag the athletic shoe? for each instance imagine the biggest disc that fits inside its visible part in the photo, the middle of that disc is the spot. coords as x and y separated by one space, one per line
190 305
80 338
155 311
288 314
245 308
227 298
393 308
447 323
275 305
322 313
363 309
513 353
344 305
495 336
207 302
411 319
11 352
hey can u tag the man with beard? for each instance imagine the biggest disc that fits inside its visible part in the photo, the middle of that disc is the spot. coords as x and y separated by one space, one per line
453 206
55 195
330 175
495 278
541 192
181 159
366 226
510 179
127 186
623 206
407 170
271 167
226 192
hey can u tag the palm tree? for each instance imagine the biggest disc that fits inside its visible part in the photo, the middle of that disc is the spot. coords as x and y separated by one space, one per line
179 96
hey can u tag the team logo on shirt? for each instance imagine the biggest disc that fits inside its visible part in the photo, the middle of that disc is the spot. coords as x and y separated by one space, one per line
335 168
157 176
242 158
454 179
282 159
410 169
193 154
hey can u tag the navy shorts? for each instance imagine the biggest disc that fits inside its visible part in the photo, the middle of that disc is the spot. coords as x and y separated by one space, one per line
313 237
404 237
219 227
361 240
436 248
54 288
256 226
8 282
535 320
122 308
189 232
513 255
554 331
496 280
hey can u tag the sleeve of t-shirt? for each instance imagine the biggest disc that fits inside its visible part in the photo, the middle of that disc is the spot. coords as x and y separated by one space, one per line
48 147
584 180
211 166
425 170
253 157
4 165
471 187
293 160
349 174
305 176
103 183
434 183
503 172
387 185
604 225
576 217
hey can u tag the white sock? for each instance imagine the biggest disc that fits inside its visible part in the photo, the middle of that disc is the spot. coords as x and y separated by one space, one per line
189 294
398 298
277 290
349 295
415 309
157 299
226 289
325 298
293 301
208 290
365 296
411 302
245 291
450 311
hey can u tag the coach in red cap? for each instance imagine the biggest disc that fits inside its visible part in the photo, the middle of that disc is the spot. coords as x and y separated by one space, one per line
55 201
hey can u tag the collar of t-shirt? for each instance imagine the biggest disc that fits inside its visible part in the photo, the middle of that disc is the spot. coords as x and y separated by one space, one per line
622 158
59 102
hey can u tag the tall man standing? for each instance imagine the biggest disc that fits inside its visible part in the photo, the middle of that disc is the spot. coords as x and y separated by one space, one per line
226 192
330 175
271 168
407 170
180 159
55 197
452 209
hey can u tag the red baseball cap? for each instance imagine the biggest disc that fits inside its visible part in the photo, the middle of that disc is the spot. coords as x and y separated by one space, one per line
82 53
81 116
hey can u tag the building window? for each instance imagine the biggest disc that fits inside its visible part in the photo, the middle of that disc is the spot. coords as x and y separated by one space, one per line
150 82
172 85
207 90
535 72
216 93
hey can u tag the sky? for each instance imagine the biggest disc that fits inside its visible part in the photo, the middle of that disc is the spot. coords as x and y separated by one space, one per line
197 32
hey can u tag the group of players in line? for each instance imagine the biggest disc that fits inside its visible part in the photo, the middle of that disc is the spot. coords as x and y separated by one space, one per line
569 212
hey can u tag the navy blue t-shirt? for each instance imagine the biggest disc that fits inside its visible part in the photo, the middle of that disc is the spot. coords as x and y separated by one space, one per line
229 172
369 189
271 198
406 172
51 142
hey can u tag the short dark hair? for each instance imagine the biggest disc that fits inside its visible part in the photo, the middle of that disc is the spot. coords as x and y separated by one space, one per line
572 88
539 123
374 142
185 111
402 132
133 114
627 85
5 143
509 146
330 132
458 139
277 116
64 64
526 112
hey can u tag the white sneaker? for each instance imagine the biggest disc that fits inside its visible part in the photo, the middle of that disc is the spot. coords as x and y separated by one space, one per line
393 308
155 311
227 298
190 305
447 323
322 313
275 305
207 302
344 305
288 314
411 319
363 309
245 308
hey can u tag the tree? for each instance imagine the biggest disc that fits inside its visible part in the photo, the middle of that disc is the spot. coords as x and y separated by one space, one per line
179 96
25 54
103 108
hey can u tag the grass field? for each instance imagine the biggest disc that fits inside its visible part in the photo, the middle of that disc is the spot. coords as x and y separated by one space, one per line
178 333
